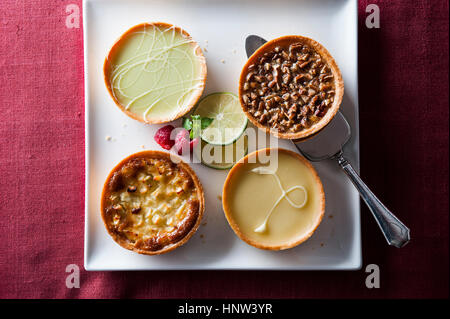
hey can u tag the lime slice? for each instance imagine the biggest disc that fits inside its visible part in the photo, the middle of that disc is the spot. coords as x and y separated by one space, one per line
229 121
222 156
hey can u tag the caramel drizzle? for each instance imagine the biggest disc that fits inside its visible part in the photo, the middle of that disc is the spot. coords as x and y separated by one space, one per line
284 194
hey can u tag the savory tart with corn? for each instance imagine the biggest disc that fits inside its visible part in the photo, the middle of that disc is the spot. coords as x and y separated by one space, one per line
151 204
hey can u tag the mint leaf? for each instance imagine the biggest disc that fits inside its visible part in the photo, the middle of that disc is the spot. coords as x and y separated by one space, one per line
196 126
206 121
187 123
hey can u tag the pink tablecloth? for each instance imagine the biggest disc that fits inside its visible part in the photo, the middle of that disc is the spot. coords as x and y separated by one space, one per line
404 157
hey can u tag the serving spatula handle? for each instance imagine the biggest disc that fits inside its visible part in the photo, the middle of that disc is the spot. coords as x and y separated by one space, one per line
395 232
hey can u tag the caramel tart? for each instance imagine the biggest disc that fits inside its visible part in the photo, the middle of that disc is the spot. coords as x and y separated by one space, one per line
275 206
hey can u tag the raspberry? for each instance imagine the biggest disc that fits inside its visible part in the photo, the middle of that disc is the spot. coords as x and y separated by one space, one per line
182 141
194 143
162 137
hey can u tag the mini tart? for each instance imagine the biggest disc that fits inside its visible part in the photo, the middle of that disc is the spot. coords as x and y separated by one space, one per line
150 204
155 72
303 111
248 197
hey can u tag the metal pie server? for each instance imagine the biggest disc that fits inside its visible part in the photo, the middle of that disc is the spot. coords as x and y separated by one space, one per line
328 144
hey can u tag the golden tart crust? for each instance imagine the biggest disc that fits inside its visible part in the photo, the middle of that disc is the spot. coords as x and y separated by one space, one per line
227 207
107 69
269 48
150 204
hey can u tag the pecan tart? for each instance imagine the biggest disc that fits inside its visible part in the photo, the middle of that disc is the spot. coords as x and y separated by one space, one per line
150 204
291 87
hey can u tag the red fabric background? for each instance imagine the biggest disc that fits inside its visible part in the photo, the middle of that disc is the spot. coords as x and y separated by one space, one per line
404 157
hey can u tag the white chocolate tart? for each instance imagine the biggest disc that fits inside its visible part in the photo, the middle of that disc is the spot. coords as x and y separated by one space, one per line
155 72
273 207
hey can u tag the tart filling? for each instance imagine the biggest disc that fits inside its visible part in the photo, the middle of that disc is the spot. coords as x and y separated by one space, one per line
155 72
277 206
289 85
150 204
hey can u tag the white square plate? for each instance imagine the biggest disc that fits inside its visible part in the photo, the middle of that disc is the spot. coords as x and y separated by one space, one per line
221 27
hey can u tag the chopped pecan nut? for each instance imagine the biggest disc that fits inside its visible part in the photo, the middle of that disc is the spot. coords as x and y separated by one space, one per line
136 210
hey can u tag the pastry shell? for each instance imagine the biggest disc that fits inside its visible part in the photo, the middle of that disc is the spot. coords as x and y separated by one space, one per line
117 45
329 60
228 212
180 164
